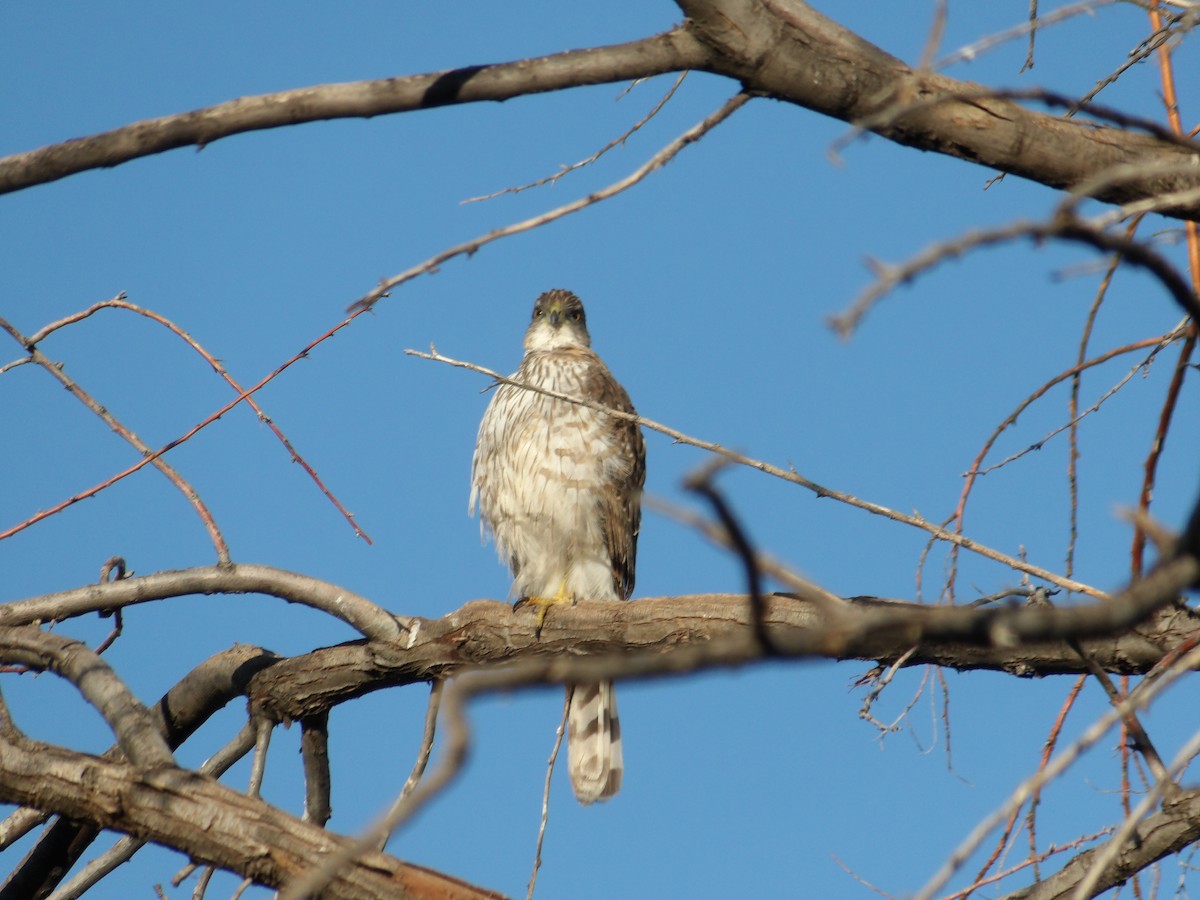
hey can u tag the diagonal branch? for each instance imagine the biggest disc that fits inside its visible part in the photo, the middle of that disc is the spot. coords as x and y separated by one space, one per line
1174 827
790 475
787 50
212 823
131 722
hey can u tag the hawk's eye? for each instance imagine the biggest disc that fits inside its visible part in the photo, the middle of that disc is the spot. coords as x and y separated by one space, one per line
574 315
537 313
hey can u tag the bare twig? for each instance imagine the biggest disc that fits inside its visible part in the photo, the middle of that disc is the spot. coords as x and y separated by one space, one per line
1033 17
172 475
468 248
1157 345
701 482
553 179
881 682
114 566
1064 225
937 29
1137 699
120 302
1028 27
541 837
1032 860
437 688
153 457
790 475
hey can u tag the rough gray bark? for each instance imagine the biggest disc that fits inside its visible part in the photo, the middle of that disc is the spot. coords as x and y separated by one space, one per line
1168 831
212 823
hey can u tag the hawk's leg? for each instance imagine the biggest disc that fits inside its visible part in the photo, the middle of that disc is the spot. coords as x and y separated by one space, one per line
562 595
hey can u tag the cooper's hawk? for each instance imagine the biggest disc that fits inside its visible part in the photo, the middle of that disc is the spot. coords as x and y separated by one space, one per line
559 485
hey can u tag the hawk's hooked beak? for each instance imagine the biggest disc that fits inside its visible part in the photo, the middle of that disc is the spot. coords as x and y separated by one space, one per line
556 315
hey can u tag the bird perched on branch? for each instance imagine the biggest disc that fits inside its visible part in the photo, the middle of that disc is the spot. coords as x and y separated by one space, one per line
559 486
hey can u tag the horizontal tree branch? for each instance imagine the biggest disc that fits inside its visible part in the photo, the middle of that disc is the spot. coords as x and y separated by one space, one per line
487 632
404 649
672 51
775 48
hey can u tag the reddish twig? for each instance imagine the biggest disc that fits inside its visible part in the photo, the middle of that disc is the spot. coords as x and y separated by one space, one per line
119 302
1171 103
971 475
1073 402
1033 860
153 457
148 456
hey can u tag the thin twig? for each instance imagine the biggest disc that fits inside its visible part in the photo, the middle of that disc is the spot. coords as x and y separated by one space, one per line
1064 226
1158 345
172 475
877 688
558 739
1034 860
468 248
153 457
977 470
616 142
790 475
1146 691
1034 22
1073 403
437 687
1137 733
937 29
1033 19
701 482
1108 853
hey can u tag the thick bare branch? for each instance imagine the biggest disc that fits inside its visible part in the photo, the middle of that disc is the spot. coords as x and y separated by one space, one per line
131 723
487 631
210 822
183 709
670 52
777 48
787 50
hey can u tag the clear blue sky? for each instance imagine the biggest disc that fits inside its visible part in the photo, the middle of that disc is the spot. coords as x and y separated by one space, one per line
707 288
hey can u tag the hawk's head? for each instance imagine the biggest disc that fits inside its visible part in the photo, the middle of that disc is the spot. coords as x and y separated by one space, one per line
558 321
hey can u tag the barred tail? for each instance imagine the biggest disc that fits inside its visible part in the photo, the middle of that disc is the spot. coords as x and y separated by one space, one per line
594 742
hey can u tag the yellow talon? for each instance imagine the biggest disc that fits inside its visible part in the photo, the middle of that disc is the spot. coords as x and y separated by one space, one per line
562 595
